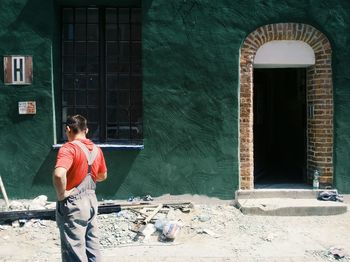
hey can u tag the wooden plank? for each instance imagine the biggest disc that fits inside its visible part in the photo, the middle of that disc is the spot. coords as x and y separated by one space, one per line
154 212
8 216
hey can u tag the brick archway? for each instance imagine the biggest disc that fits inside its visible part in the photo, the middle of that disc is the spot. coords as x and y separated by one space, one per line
319 96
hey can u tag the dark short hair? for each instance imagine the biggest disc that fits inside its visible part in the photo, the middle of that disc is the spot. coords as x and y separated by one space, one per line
76 123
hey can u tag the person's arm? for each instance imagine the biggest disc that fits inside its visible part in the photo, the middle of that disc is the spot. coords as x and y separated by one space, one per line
102 171
101 177
60 182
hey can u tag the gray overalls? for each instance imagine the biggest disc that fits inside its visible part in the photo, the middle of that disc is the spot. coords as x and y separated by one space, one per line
76 217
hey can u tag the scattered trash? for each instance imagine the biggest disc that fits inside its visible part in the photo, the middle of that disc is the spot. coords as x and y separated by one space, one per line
268 238
208 232
171 229
134 199
147 198
159 224
330 196
338 253
22 222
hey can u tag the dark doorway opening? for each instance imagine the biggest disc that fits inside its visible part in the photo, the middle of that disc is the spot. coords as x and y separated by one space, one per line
279 126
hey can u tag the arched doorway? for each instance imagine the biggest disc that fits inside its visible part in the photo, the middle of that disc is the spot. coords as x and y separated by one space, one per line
319 100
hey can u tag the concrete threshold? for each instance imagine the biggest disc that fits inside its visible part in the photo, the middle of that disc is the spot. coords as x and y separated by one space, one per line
286 202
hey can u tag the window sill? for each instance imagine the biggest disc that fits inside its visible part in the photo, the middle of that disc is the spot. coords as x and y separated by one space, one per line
110 146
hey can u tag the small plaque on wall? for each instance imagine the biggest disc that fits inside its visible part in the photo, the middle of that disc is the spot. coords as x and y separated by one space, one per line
27 108
18 70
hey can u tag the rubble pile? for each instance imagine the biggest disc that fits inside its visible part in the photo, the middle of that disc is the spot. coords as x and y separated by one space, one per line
115 228
143 224
38 203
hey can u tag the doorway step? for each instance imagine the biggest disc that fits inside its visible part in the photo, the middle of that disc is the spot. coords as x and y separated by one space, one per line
287 202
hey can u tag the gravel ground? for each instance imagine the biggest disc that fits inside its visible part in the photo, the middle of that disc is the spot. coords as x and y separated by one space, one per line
213 230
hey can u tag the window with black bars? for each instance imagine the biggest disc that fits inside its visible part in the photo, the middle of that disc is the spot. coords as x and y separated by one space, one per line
101 71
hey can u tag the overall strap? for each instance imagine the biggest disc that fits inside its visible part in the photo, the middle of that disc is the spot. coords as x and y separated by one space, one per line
90 155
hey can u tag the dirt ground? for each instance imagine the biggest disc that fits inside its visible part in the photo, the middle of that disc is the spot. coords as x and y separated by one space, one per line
214 230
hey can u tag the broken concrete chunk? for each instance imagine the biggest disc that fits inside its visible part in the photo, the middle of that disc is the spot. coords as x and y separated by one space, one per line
17 205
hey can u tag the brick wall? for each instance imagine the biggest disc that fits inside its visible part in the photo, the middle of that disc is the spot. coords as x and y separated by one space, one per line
319 99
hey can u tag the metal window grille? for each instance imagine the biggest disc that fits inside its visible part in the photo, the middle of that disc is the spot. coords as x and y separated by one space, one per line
101 73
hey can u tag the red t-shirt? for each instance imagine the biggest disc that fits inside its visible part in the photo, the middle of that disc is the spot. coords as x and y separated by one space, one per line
71 157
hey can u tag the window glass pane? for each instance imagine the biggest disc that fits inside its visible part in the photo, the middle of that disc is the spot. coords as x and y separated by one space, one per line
112 49
111 114
124 50
93 131
80 32
123 98
111 32
92 32
136 123
68 98
68 64
112 131
68 82
135 15
80 82
112 82
80 64
93 98
68 32
136 82
111 15
136 115
124 32
136 97
123 67
80 15
67 111
136 32
92 49
123 15
67 15
68 48
136 68
80 48
80 98
93 82
136 50
112 66
92 15
124 127
93 64
93 115
123 82
111 98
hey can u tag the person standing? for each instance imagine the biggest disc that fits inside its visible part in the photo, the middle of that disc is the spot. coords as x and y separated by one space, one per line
79 165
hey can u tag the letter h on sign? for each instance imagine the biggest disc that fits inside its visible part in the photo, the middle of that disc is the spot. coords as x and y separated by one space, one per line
18 70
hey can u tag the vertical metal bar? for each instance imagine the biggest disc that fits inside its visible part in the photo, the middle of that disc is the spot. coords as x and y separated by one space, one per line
102 41
130 73
74 63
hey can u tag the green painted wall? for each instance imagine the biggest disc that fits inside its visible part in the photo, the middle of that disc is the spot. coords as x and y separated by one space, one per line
191 83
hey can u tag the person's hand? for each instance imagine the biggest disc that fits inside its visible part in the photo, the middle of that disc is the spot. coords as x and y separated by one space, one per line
65 194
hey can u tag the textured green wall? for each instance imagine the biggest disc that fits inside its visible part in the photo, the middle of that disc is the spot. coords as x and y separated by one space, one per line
191 83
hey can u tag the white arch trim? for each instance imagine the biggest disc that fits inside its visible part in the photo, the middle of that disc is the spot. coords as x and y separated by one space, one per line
284 54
